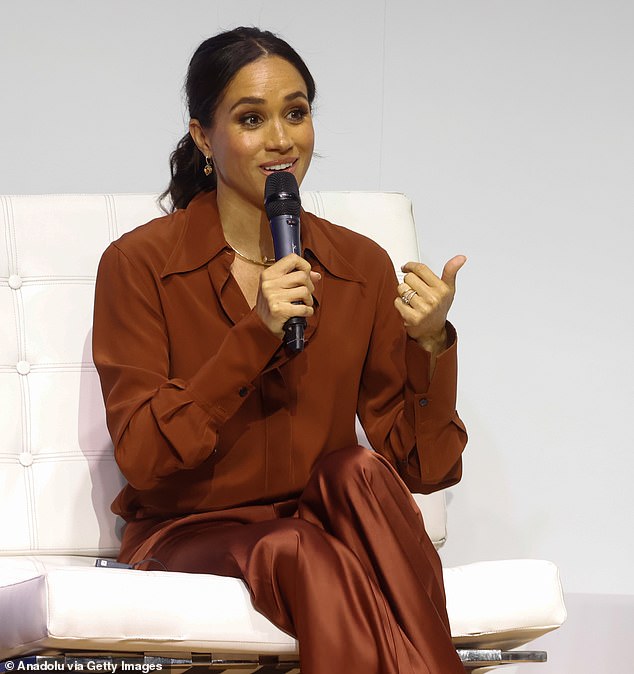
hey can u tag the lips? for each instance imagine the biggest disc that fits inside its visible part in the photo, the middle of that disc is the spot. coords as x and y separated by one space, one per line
277 166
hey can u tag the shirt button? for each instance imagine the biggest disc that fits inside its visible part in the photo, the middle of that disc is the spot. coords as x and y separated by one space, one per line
243 391
423 402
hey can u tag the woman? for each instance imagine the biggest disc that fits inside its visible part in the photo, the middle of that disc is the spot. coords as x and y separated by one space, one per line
242 459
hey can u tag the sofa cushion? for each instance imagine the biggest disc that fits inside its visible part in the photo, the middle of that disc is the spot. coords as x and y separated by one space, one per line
67 603
503 603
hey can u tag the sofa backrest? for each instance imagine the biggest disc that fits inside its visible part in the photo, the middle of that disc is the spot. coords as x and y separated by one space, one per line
57 471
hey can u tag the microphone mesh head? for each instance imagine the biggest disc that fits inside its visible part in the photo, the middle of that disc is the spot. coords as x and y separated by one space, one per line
281 195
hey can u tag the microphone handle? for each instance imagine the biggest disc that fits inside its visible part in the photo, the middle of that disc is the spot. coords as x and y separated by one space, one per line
294 333
286 240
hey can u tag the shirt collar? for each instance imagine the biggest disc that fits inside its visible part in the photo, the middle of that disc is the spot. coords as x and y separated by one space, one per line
202 239
318 238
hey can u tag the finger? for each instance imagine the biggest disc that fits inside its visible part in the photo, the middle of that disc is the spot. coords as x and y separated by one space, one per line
408 314
405 291
294 279
418 306
299 294
423 291
286 264
450 270
300 310
418 270
286 310
293 261
402 288
290 295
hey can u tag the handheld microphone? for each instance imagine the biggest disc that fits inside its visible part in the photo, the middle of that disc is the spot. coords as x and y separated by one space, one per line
282 205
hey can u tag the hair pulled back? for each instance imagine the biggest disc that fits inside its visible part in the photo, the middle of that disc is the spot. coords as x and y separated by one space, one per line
212 67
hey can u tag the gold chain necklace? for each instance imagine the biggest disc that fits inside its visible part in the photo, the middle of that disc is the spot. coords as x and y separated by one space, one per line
266 262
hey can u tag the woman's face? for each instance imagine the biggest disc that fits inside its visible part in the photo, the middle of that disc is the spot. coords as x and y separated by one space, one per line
263 124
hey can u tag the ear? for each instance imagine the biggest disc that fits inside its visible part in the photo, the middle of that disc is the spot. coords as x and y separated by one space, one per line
197 132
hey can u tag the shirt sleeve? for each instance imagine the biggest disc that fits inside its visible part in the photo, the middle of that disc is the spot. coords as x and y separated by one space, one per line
408 417
159 424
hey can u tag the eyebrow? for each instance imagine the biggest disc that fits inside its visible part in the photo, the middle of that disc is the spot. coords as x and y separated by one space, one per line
253 100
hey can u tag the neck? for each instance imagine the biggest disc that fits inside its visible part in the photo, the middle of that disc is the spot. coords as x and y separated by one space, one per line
245 225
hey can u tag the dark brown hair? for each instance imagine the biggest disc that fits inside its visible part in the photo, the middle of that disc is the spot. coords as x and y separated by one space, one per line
212 67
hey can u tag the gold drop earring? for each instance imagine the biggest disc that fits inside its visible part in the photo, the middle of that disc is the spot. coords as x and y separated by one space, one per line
208 169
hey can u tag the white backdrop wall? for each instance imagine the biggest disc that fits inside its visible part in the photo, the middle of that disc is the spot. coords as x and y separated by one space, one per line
510 124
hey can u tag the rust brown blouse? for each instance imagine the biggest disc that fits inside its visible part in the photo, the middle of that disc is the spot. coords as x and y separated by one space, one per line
207 411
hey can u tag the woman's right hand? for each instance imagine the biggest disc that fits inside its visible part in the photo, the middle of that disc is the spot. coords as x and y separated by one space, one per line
288 280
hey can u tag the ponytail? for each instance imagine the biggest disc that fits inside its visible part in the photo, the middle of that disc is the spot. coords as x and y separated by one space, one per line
188 177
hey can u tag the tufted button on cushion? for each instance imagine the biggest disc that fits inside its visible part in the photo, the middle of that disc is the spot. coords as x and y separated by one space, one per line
25 458
23 366
15 281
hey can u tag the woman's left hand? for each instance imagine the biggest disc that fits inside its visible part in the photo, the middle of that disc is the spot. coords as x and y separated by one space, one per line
425 314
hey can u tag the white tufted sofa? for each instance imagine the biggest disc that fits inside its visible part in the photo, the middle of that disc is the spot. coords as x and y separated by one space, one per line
58 475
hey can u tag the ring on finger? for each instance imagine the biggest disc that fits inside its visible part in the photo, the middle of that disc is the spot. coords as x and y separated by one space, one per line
406 297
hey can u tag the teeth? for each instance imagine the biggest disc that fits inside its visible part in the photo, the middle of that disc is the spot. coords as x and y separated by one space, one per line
278 167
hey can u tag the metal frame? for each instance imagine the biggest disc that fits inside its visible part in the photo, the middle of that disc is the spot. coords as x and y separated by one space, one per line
197 663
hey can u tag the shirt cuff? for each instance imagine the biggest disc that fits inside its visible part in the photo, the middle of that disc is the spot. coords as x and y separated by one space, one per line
434 401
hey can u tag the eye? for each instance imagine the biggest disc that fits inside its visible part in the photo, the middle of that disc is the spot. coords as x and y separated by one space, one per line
250 120
297 114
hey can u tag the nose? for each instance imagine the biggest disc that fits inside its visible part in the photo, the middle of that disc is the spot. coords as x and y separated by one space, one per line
279 138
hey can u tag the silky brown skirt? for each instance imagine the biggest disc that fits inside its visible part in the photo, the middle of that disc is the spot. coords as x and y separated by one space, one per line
348 568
